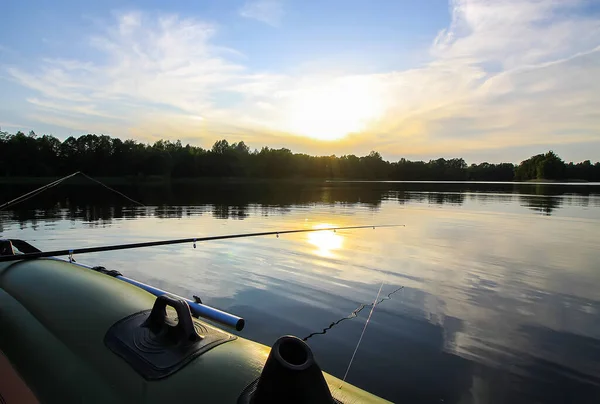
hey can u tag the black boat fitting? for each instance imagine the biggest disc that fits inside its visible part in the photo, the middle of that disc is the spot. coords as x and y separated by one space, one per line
290 375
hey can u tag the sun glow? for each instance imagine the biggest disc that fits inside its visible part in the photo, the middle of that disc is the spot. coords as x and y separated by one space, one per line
332 112
325 241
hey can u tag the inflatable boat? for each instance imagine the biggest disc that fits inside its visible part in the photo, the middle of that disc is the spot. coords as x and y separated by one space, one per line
70 333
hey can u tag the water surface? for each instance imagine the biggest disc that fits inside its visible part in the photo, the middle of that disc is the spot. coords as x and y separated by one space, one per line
501 281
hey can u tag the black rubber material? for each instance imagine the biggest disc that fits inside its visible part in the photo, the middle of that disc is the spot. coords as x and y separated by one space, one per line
290 375
7 247
183 330
109 272
157 346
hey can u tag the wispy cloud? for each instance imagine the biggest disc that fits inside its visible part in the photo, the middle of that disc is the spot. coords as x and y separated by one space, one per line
4 125
503 74
153 65
267 11
524 76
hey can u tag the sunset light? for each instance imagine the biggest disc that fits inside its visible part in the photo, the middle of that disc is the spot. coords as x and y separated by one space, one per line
448 80
423 174
325 241
335 111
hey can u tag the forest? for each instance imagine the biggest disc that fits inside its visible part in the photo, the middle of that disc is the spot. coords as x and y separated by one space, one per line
34 155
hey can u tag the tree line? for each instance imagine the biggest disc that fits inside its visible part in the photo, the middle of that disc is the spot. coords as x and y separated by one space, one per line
31 155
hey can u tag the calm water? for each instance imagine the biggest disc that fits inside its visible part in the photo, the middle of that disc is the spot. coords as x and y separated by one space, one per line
501 293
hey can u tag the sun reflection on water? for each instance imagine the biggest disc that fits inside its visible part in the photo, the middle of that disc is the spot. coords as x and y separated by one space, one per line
325 241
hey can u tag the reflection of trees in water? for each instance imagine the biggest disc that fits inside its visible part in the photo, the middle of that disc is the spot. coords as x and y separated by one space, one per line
225 200
543 204
230 212
440 198
432 198
543 198
485 198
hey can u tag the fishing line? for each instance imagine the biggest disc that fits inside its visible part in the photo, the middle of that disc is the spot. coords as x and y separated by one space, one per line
352 315
112 189
46 187
36 191
362 333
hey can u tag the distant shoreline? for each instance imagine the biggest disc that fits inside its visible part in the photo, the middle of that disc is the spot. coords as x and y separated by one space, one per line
127 161
160 180
569 181
155 180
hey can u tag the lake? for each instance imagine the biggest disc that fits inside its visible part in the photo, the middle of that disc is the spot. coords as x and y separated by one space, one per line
501 282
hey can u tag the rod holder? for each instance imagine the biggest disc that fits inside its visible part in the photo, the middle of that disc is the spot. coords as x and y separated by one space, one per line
197 309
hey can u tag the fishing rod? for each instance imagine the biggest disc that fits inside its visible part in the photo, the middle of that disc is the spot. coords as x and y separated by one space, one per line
37 191
197 308
46 187
7 254
87 250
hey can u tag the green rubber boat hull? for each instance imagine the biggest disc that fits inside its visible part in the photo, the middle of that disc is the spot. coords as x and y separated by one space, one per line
54 317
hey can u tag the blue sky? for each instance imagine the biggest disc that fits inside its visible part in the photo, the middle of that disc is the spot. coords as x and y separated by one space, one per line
487 80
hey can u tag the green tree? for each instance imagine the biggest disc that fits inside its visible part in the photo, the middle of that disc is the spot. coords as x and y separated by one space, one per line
220 147
102 155
551 167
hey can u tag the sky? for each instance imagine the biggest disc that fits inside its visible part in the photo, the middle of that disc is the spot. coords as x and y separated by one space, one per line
487 80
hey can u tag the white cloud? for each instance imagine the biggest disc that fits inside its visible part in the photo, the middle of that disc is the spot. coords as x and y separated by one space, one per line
150 64
10 125
543 91
267 11
515 32
503 74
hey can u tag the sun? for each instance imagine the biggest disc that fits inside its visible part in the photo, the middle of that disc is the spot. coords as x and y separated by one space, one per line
334 111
